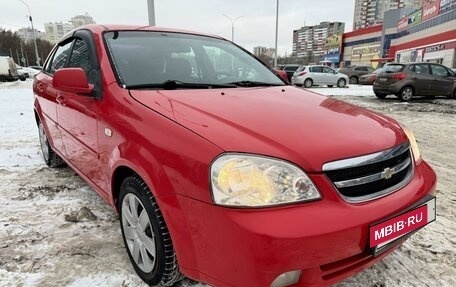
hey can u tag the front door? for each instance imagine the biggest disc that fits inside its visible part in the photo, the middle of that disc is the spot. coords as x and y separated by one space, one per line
443 82
78 118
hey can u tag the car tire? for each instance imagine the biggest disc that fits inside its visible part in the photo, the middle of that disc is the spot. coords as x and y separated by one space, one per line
330 86
3 79
308 83
49 156
145 234
353 80
406 94
341 83
380 95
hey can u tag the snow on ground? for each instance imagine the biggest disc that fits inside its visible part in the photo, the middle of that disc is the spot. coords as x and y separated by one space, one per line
38 247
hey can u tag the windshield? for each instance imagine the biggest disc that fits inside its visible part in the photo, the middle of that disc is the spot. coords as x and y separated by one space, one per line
150 59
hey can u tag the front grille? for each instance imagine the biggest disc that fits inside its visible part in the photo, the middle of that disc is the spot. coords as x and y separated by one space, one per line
372 176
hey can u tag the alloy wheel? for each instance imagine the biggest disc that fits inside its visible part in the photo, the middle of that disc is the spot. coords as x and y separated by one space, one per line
43 143
139 234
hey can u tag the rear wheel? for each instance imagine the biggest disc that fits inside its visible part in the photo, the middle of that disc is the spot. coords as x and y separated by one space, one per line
380 95
308 83
49 156
330 86
2 79
453 95
341 83
406 94
146 235
353 80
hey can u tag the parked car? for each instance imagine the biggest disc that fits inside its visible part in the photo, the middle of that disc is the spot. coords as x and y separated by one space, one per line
8 71
28 72
369 79
289 69
282 73
415 79
355 72
219 170
315 75
39 68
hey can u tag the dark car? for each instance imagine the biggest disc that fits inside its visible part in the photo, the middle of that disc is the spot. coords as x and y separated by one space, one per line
415 79
355 72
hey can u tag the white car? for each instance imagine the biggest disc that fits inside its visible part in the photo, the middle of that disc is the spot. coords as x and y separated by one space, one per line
309 76
27 71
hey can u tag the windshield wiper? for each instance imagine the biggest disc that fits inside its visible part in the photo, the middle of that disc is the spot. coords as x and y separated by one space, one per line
253 84
176 84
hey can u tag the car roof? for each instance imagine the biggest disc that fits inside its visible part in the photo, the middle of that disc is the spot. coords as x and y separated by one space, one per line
98 28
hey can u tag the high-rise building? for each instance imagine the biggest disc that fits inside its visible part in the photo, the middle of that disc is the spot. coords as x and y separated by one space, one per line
259 51
81 20
26 34
370 12
55 31
309 41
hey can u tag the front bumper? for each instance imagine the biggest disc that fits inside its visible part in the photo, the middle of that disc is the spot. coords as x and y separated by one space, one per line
327 240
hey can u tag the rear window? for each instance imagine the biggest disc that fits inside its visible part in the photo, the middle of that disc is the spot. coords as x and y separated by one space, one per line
291 68
393 68
300 69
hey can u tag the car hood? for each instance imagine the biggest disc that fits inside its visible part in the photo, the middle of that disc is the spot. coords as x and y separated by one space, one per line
284 122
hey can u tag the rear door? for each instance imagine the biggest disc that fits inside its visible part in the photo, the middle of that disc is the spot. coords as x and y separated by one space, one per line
47 95
443 82
330 76
316 74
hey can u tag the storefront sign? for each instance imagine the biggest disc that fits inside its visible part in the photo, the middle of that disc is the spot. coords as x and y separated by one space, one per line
363 54
332 45
431 10
446 5
410 20
333 58
402 24
435 48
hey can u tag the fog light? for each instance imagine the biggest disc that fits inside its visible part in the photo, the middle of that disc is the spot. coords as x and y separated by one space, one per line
286 279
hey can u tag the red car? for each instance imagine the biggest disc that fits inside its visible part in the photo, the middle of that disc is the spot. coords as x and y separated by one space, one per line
219 170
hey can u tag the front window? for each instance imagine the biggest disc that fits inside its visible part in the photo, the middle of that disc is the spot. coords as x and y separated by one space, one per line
150 59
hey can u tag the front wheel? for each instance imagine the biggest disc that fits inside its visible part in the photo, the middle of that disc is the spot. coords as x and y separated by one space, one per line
341 83
308 83
146 235
406 94
49 156
380 95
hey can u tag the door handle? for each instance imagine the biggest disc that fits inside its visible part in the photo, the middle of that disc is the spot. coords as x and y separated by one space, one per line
60 100
39 87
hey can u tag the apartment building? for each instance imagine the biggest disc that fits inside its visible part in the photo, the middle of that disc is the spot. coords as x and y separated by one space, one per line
370 12
310 41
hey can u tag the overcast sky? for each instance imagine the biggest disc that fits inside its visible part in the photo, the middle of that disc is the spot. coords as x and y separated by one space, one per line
255 28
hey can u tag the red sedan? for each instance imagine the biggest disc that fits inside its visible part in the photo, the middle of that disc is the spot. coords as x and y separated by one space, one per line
219 170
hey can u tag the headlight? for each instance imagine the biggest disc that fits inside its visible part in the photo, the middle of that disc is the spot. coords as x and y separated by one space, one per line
413 144
255 181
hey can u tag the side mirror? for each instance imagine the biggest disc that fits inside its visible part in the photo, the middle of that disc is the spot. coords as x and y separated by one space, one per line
72 80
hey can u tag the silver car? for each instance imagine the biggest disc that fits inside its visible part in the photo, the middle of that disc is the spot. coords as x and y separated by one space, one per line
309 76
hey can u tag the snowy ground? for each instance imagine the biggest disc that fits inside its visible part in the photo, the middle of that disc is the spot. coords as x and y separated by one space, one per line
38 247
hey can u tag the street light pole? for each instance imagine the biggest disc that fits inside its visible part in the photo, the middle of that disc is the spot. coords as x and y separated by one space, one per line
33 31
276 34
232 25
151 10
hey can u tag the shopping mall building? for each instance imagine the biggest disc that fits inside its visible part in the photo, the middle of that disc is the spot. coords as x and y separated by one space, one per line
424 35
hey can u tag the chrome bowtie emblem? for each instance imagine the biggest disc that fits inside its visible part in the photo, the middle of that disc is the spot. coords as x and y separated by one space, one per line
387 173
